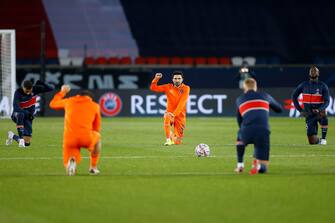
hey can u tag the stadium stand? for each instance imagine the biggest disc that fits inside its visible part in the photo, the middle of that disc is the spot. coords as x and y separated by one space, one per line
238 28
25 17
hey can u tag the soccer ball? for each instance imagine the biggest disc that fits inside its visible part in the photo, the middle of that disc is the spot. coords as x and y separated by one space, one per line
202 150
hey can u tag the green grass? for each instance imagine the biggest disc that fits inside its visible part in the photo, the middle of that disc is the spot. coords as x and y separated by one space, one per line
143 181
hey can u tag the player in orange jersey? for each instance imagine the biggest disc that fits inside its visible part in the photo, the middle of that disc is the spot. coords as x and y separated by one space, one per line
175 115
81 128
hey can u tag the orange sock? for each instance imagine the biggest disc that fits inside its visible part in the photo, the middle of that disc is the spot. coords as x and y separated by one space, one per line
167 124
94 160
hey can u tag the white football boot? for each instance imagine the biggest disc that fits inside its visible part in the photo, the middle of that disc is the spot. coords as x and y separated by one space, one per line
9 139
168 142
323 142
71 167
21 143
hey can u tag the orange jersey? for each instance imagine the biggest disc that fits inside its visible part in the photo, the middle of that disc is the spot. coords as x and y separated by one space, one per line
82 114
176 96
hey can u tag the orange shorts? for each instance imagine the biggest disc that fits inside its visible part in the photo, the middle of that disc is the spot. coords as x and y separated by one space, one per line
72 146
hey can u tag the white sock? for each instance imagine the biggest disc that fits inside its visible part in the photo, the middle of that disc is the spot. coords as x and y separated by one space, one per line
240 165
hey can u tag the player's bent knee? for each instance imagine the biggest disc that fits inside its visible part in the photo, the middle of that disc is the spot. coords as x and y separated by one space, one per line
313 139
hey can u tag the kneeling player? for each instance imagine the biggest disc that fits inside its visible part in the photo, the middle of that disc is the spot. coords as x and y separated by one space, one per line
24 111
81 128
175 116
253 119
315 98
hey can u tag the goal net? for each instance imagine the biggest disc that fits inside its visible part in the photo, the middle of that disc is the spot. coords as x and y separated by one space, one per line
7 71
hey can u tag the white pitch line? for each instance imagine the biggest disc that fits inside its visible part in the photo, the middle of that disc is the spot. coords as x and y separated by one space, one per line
170 157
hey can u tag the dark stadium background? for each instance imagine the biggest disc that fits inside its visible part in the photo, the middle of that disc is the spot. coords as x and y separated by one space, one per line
118 45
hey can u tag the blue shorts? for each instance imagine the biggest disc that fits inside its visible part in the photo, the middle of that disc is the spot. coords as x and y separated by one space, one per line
28 125
312 124
260 137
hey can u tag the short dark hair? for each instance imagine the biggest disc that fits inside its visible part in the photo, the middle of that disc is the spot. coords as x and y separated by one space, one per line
178 72
87 93
27 84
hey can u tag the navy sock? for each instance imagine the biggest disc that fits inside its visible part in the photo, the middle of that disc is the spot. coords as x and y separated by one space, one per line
16 138
20 131
27 144
324 132
240 153
262 169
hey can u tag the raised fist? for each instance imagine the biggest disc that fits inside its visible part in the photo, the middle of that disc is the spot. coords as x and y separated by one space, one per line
65 88
158 75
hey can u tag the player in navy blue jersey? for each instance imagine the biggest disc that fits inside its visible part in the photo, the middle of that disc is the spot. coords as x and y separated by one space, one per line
24 111
315 100
253 119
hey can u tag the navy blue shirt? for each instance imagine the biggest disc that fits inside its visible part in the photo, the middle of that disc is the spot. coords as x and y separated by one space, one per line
315 95
253 109
26 103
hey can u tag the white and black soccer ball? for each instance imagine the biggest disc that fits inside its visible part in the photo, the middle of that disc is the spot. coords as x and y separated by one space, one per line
202 150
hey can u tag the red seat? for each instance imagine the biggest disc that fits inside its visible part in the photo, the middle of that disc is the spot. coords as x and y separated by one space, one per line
164 60
225 60
89 60
140 60
101 60
125 60
113 60
212 60
200 60
176 60
188 60
152 60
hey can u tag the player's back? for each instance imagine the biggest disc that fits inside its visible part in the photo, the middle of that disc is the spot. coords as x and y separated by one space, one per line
254 108
80 114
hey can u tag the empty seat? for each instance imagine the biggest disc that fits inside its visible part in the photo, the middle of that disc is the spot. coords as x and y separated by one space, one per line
101 60
152 60
113 60
176 60
125 60
140 60
89 60
212 60
200 60
164 60
224 60
188 60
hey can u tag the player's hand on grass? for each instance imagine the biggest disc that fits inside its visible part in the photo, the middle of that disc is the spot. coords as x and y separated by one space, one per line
65 88
158 75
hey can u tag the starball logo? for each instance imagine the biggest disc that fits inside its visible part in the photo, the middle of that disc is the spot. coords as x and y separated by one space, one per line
110 104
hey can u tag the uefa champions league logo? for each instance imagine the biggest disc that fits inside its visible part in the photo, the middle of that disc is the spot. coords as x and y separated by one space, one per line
110 104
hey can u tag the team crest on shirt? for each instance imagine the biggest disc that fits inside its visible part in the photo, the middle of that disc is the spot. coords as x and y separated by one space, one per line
110 104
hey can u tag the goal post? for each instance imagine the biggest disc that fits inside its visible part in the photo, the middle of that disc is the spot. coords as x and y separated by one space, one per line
7 71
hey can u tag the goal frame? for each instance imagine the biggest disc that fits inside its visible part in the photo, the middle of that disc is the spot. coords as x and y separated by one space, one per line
13 63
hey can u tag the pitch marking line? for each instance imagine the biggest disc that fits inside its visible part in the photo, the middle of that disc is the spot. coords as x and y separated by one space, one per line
167 157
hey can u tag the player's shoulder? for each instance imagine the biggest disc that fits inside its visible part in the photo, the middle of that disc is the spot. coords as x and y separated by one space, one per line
240 99
323 83
19 90
96 105
185 86
304 83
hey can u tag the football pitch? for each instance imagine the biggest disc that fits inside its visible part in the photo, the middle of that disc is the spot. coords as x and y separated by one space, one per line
143 181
